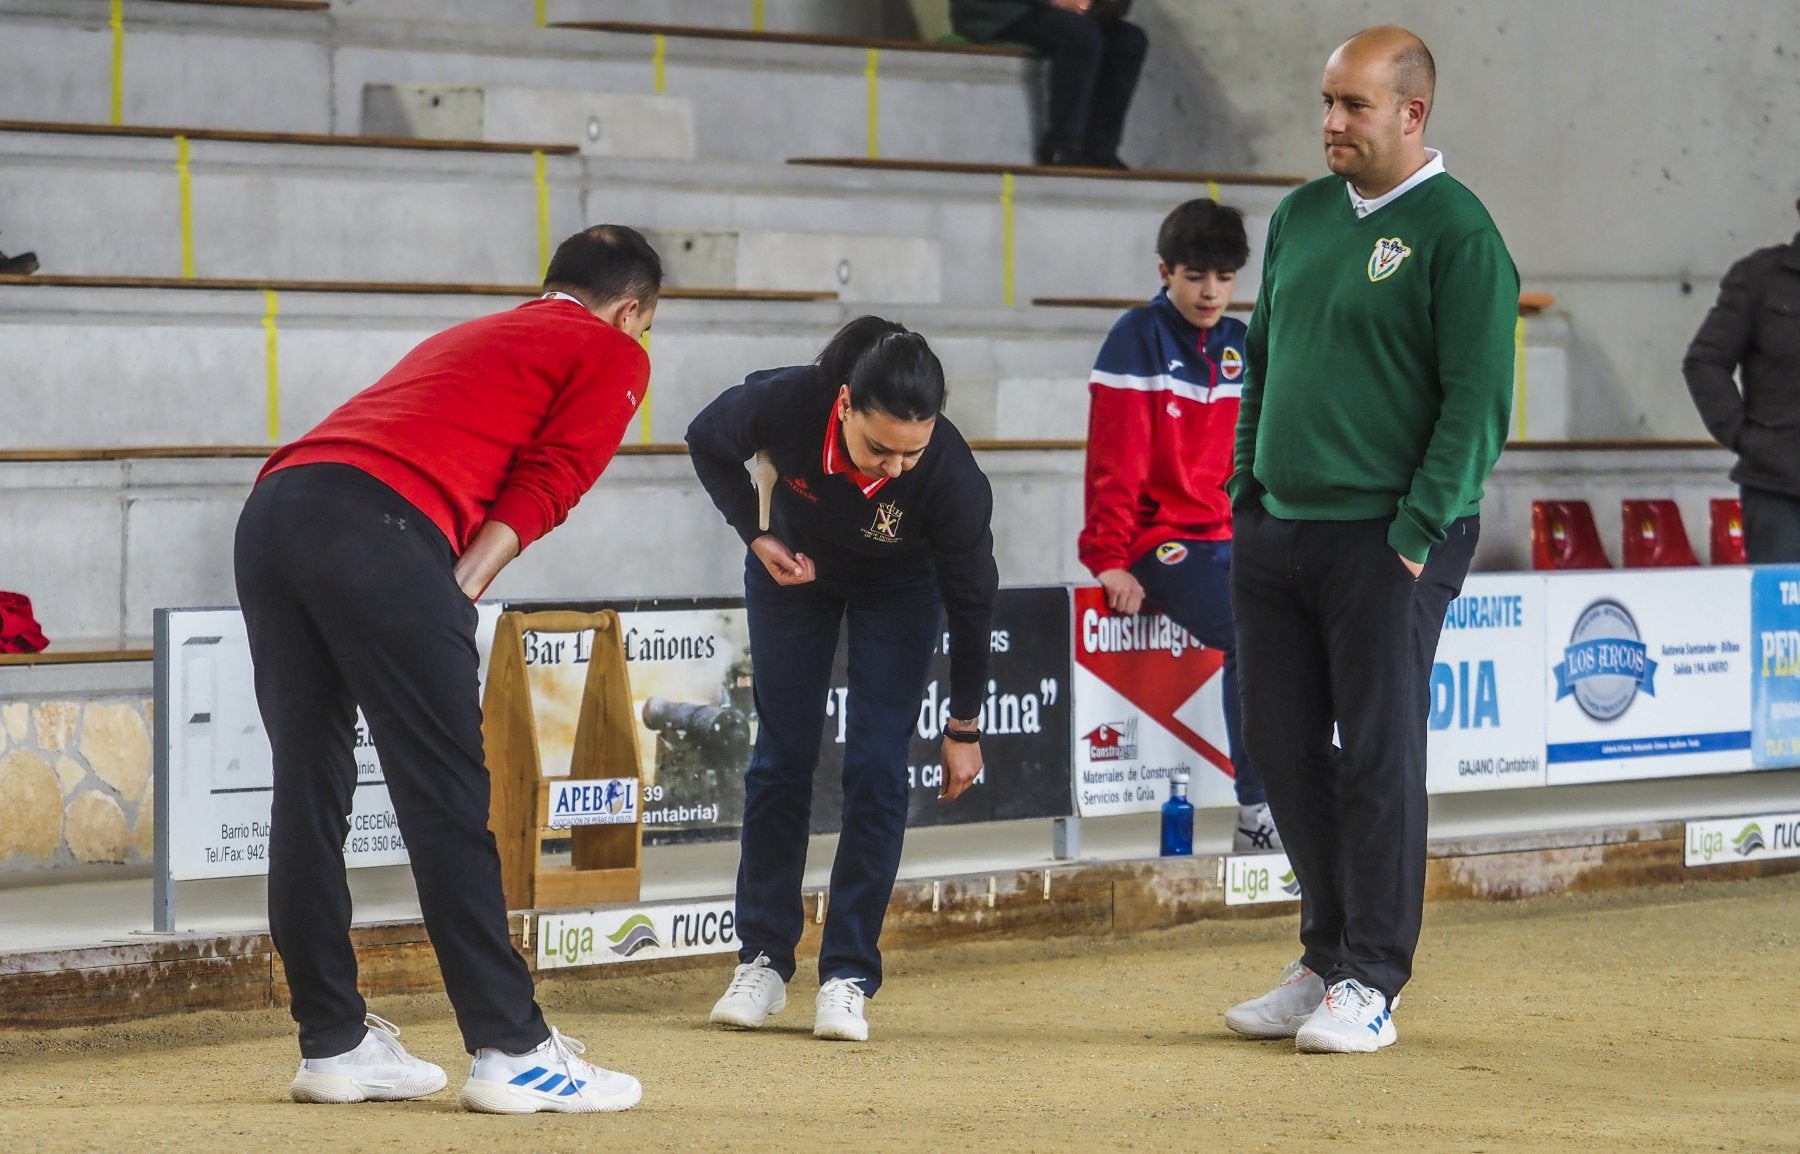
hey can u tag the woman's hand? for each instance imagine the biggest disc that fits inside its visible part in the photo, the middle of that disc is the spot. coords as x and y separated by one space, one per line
962 763
784 565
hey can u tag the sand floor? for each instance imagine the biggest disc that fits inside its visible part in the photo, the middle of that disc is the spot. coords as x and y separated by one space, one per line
1660 1019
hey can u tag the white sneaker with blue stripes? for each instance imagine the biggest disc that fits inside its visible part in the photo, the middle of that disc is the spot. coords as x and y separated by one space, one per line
378 1070
550 1079
1353 1019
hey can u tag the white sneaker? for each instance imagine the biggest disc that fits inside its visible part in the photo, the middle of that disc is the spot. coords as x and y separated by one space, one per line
552 1078
378 1070
755 992
1255 832
1353 1019
1283 1010
838 1014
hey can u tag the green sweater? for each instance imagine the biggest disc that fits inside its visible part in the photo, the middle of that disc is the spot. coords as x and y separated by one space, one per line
1380 372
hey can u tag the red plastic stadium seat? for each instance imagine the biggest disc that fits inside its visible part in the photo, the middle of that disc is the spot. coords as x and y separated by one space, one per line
1563 536
1727 531
1653 535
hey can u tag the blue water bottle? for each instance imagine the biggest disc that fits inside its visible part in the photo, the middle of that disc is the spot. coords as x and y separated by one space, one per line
1178 819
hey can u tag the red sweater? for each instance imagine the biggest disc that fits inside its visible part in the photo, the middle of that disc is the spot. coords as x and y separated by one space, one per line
507 418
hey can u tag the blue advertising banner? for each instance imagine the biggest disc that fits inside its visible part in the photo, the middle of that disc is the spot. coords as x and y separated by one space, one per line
1775 669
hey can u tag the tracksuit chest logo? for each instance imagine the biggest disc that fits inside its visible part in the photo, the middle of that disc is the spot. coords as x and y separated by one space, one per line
1384 262
887 523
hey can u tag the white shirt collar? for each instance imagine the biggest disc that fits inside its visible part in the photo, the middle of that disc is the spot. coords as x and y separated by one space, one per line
556 296
1434 164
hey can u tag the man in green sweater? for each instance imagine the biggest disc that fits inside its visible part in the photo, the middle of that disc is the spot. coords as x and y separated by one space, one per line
1376 399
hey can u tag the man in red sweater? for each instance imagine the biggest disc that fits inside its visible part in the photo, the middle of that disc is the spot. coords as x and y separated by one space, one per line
359 555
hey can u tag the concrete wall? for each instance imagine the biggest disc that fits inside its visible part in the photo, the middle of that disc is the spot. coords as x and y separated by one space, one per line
100 545
1629 149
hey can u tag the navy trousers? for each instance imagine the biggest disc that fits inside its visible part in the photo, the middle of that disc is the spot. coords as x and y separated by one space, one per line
1094 67
1195 593
350 599
1333 629
793 638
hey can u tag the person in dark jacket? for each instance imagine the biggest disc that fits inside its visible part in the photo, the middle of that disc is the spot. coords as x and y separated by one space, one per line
881 517
1095 57
1754 331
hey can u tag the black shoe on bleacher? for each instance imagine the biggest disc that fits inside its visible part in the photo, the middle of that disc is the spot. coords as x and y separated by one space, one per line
21 265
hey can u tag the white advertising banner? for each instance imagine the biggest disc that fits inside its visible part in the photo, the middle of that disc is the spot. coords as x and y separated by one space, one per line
1487 688
1735 839
635 933
1649 674
1258 879
1148 703
219 776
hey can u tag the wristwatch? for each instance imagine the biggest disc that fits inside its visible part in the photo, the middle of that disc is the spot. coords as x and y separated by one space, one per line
966 736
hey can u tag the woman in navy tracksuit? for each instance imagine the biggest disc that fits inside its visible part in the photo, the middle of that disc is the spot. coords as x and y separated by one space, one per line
880 516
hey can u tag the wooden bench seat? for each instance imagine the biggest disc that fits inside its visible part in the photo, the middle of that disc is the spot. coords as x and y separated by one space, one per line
390 288
241 136
967 167
808 39
1530 304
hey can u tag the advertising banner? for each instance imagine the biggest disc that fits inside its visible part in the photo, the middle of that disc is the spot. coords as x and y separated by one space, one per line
1148 703
636 933
693 697
1649 674
1775 661
1256 879
215 774
1487 688
1736 839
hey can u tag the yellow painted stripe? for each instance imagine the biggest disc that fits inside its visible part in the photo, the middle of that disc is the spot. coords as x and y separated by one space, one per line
1006 239
118 61
1212 191
185 182
658 57
873 72
644 409
542 19
756 15
543 211
1519 377
272 341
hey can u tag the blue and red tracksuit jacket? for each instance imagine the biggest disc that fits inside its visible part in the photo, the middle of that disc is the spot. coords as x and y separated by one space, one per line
1162 420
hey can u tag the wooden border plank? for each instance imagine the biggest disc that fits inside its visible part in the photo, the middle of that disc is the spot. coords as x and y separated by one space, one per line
54 656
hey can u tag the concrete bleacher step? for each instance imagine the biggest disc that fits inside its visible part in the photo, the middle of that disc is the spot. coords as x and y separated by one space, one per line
203 65
260 209
863 267
93 367
812 93
210 67
605 124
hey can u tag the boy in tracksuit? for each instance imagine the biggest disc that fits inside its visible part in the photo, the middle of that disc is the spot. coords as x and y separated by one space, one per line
1161 421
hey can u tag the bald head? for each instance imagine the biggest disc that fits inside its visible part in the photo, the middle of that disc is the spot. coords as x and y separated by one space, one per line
1413 72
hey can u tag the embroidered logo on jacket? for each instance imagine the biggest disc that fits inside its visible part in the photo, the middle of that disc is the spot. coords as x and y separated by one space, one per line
799 485
1231 364
1384 262
887 523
